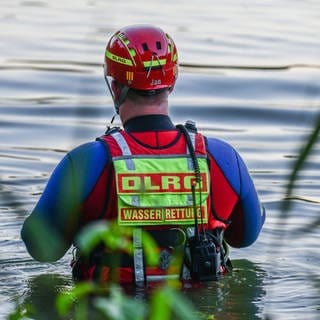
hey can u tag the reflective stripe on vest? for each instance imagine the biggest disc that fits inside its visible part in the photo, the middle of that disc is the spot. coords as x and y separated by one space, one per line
156 189
139 275
122 143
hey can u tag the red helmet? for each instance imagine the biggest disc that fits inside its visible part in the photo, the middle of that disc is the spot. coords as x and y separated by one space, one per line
142 57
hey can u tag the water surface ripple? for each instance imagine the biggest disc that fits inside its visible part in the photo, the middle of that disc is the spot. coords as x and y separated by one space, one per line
249 75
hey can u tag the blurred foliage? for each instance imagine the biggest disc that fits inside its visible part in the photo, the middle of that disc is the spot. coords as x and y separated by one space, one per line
110 301
303 155
89 300
114 237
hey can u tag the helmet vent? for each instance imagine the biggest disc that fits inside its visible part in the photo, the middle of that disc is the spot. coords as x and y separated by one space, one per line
158 44
145 46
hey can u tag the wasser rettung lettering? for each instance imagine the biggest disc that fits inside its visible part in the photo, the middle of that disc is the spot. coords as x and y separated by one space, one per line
149 216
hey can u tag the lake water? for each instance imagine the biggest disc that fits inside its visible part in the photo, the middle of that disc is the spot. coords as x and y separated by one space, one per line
250 74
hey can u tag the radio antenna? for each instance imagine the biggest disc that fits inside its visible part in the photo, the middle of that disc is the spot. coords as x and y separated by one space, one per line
196 231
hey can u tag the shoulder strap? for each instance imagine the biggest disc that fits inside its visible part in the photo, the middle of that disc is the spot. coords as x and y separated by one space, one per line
108 132
125 149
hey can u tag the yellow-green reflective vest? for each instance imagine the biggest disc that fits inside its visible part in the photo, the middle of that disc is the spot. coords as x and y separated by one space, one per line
157 189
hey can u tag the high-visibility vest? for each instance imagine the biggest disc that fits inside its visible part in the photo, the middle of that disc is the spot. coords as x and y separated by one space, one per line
155 189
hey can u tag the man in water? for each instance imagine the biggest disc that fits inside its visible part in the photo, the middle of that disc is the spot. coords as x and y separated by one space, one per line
187 191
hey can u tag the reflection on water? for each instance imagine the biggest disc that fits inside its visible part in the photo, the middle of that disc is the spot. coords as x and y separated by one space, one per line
39 299
250 75
230 298
237 296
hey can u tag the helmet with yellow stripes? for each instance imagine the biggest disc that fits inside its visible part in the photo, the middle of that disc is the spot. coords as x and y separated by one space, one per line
142 57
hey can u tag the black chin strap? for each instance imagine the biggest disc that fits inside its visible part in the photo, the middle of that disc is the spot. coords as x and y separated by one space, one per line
122 97
123 94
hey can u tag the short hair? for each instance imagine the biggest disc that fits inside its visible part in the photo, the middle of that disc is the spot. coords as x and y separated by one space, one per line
134 94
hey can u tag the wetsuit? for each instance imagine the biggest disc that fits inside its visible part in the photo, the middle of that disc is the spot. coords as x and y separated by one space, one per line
82 189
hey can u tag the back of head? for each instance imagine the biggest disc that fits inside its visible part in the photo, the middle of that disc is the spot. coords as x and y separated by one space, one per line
142 59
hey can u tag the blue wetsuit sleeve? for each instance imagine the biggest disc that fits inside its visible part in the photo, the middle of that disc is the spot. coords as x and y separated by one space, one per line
252 212
248 216
50 229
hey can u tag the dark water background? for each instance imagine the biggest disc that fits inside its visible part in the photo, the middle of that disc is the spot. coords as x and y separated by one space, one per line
250 75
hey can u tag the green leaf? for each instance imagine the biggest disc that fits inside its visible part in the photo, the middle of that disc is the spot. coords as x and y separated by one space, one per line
120 307
65 300
166 302
115 238
91 236
150 249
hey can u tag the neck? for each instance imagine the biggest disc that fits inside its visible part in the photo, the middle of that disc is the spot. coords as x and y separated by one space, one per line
129 109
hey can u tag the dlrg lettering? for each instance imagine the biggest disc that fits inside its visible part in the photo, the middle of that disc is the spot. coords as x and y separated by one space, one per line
155 182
